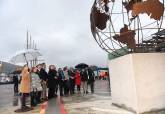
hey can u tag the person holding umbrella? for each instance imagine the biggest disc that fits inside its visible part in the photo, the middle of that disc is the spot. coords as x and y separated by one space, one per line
84 76
24 89
91 79
84 79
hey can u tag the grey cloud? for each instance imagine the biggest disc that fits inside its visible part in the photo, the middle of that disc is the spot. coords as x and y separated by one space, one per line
61 30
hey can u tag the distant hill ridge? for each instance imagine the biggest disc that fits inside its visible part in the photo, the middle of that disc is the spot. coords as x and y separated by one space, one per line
8 67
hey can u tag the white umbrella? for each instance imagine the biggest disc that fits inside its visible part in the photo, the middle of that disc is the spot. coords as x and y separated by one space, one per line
25 56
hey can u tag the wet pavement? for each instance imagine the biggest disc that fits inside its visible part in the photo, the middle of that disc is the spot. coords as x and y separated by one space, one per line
10 102
97 103
53 106
91 104
6 95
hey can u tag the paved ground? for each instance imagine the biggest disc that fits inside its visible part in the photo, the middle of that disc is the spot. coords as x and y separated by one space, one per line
91 104
6 95
53 106
97 103
9 102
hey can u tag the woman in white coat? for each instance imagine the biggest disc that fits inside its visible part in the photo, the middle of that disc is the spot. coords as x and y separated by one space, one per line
36 88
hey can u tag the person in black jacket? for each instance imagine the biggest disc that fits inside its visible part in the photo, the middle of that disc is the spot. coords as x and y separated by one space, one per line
84 79
61 79
66 81
44 78
91 79
71 74
52 81
16 82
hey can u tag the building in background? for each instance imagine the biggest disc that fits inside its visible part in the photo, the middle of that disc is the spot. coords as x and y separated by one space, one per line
7 68
5 71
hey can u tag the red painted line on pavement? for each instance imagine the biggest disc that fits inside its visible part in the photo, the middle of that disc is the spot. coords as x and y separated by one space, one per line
61 102
43 107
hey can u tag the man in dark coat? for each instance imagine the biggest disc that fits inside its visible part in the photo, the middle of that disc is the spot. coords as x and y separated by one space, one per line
52 82
91 79
16 82
44 78
84 79
61 79
71 74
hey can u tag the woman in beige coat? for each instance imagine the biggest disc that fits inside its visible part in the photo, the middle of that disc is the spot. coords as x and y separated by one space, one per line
25 87
25 81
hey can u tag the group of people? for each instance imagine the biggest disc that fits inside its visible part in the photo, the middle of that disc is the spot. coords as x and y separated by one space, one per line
36 81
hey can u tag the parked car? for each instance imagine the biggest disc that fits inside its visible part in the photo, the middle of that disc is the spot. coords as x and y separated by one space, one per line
5 80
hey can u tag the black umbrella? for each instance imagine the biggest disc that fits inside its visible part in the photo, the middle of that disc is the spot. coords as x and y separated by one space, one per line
81 66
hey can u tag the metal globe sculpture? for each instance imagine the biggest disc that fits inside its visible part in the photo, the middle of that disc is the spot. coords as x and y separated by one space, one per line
128 26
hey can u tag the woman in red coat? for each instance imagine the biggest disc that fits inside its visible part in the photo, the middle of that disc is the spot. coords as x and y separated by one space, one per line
78 81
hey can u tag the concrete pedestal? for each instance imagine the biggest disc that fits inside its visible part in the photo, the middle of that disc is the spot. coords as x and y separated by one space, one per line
138 81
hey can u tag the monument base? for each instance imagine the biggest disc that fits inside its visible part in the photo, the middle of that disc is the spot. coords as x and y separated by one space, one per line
137 82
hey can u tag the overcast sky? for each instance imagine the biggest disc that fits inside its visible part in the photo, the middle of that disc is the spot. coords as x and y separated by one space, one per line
60 28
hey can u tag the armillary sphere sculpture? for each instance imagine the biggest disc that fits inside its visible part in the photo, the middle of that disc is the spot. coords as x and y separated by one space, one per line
128 26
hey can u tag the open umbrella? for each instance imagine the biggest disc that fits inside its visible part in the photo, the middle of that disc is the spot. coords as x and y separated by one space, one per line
81 66
25 56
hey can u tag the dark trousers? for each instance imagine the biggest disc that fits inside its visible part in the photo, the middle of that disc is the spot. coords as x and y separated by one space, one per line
35 97
51 92
72 86
92 86
39 96
78 88
15 88
44 91
56 87
66 87
23 100
61 87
